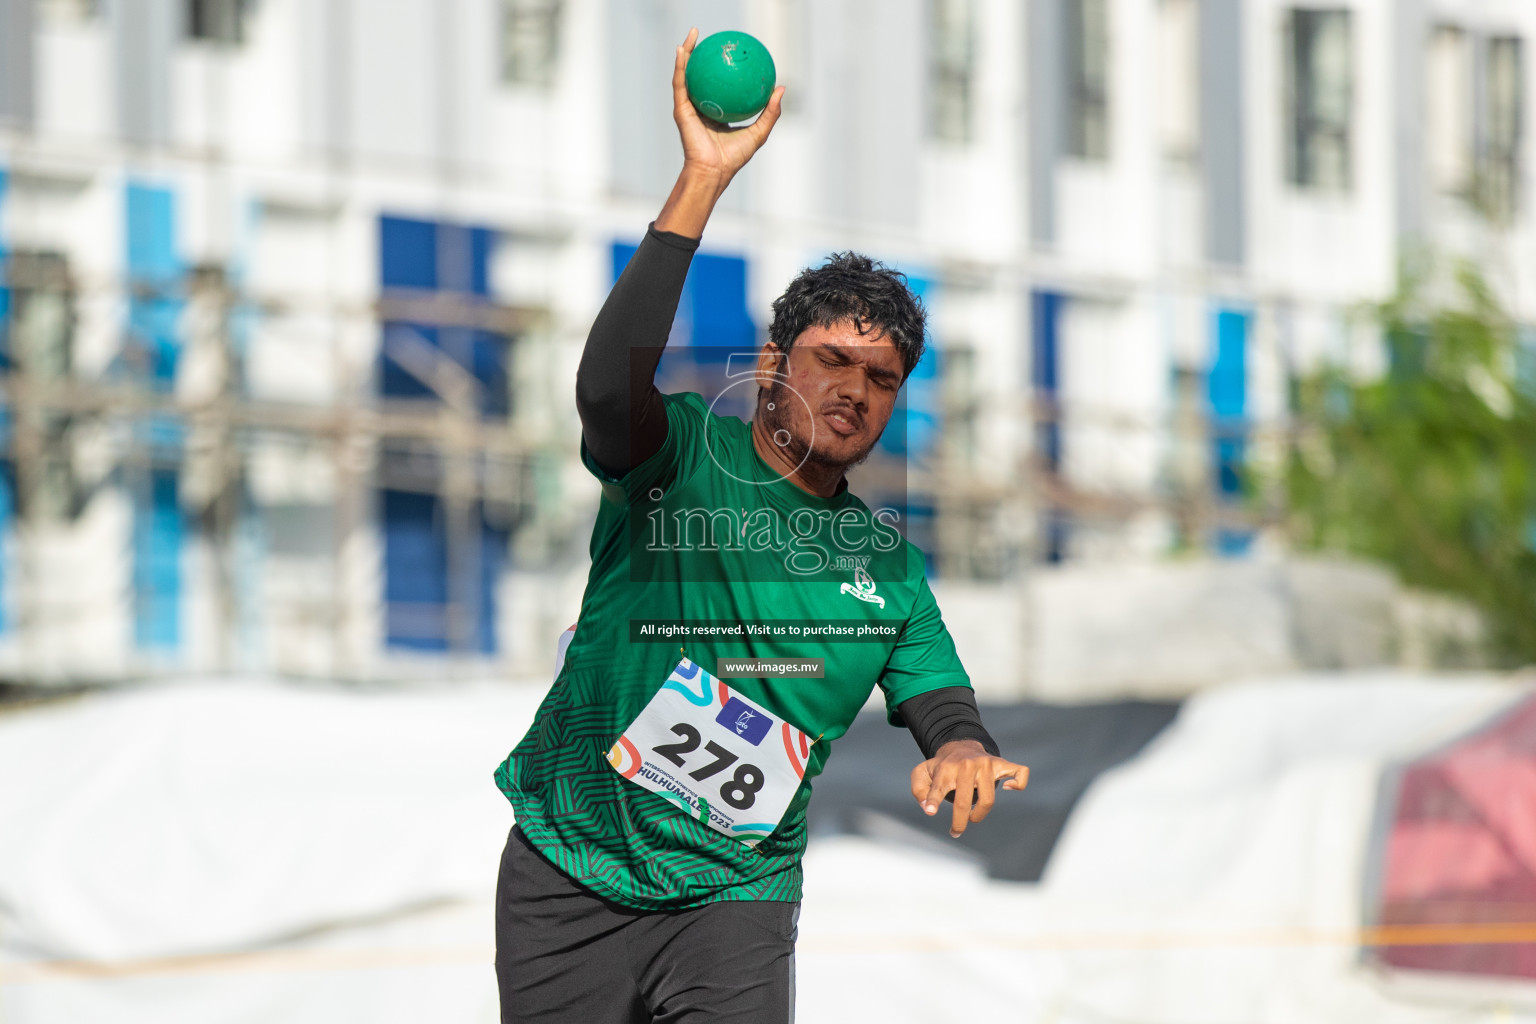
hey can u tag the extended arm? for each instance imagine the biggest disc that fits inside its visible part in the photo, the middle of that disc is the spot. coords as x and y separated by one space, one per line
963 762
623 420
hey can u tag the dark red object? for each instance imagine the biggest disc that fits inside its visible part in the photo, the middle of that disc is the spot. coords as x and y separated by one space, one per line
1458 855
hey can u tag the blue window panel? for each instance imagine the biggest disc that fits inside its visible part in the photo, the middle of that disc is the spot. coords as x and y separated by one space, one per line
1228 390
432 256
1045 324
416 581
152 235
395 381
482 242
1229 368
921 392
446 258
482 353
718 299
157 538
407 253
1229 398
1045 309
424 255
415 572
1045 312
155 307
155 273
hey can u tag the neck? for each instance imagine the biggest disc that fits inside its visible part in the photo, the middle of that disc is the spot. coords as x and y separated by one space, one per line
811 477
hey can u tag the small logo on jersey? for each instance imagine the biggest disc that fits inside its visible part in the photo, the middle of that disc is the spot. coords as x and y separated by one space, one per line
750 725
863 588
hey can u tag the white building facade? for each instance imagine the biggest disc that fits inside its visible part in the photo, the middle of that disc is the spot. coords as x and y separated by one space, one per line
294 289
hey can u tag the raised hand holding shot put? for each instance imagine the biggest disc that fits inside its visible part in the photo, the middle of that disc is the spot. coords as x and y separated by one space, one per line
712 152
654 873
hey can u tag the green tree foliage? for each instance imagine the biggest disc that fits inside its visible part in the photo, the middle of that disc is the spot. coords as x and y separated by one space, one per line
1431 467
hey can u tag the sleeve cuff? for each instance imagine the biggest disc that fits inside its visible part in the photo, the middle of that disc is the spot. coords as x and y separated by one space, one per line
672 238
969 731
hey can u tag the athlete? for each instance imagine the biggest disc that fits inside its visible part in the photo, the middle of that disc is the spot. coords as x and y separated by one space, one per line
654 872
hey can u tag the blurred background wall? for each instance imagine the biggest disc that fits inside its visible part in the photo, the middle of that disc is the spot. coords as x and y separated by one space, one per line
294 292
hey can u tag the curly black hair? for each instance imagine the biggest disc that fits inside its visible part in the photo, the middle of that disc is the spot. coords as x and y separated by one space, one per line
852 288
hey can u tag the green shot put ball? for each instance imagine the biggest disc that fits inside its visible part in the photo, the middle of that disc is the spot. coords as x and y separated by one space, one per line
730 76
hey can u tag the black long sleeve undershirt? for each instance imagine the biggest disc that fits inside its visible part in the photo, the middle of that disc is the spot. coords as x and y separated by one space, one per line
942 716
624 422
623 419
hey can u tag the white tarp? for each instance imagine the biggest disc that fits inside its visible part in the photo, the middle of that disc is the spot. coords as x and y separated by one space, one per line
321 856
1216 878
191 818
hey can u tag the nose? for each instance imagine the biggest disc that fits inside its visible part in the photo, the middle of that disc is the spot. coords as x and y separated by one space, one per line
852 387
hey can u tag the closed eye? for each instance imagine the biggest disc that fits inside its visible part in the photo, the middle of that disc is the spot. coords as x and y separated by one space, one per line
883 379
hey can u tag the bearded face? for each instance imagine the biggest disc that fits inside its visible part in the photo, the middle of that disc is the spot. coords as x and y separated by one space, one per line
828 399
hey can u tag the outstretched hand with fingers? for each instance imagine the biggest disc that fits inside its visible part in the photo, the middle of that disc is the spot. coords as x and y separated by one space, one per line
963 769
711 149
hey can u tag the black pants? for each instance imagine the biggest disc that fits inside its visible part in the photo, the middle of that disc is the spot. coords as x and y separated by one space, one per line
566 954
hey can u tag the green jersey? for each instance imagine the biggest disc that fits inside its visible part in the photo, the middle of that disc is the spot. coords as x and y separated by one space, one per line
705 532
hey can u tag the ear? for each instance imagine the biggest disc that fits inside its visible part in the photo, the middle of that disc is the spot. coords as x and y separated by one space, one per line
768 364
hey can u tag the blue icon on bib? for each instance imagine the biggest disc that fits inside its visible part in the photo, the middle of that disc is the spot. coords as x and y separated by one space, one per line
750 725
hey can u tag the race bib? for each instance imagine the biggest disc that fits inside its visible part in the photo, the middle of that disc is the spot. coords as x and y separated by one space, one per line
718 756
